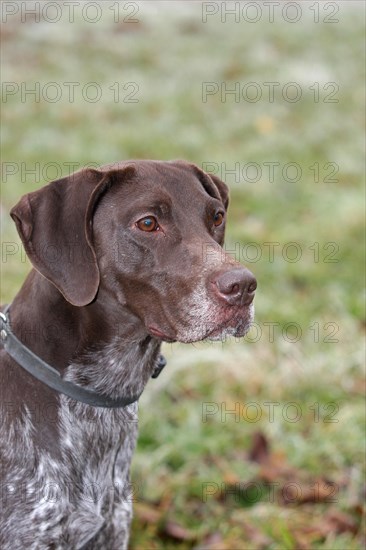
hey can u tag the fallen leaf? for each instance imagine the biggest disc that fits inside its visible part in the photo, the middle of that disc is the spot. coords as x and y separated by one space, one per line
260 450
320 490
147 513
259 539
213 541
230 478
340 522
177 532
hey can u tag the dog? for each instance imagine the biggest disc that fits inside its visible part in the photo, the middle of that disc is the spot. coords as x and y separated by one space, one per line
124 258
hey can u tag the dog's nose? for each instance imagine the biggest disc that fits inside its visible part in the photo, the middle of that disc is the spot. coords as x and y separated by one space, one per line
236 287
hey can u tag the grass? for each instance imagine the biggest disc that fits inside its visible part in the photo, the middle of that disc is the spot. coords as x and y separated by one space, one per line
193 464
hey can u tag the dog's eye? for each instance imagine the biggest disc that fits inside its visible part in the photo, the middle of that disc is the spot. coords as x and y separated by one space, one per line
218 219
148 224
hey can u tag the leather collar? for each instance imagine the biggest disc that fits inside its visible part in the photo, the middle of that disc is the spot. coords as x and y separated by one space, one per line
52 378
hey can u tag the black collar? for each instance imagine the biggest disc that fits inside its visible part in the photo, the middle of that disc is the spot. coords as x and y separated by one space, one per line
52 378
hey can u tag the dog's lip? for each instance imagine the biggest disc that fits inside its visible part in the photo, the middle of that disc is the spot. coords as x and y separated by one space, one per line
237 331
160 334
238 323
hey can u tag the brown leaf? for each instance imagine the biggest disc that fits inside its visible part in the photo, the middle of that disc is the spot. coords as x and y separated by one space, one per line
165 502
268 473
259 451
320 490
177 532
230 478
334 522
340 522
147 513
259 539
305 540
212 541
276 467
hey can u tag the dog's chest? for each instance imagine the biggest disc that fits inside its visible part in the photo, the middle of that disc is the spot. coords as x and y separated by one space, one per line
91 476
90 444
97 449
66 500
90 438
78 492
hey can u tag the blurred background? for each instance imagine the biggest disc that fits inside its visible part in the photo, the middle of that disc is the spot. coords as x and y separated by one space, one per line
250 444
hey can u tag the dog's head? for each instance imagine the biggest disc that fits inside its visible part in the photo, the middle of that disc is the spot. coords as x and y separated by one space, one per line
150 235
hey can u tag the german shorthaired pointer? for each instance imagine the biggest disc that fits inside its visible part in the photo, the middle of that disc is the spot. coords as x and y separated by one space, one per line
124 258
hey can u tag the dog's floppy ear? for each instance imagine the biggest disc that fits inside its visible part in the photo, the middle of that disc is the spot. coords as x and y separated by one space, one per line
55 226
222 188
213 185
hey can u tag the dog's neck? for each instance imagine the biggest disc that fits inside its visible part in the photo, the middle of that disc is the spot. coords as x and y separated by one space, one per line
100 346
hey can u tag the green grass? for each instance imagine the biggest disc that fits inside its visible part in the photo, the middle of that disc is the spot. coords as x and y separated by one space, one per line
169 54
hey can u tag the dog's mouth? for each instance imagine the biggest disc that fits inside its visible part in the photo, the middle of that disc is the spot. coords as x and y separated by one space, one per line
157 333
221 333
236 325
